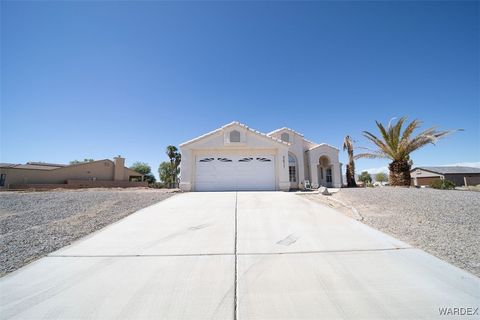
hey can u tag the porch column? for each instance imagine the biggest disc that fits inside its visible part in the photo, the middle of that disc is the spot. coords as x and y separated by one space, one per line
336 175
313 162
282 169
186 170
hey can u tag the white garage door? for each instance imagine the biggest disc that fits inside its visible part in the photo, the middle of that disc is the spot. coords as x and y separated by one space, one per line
225 172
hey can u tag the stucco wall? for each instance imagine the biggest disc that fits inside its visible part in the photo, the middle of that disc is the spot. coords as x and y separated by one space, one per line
297 148
422 173
250 144
97 170
313 161
458 179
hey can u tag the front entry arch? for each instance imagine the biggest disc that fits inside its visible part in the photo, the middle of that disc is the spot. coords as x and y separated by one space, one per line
325 172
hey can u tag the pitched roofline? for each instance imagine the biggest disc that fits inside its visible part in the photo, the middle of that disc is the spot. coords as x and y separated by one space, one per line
285 128
301 135
428 169
324 145
46 164
16 167
65 166
232 124
83 163
138 173
411 170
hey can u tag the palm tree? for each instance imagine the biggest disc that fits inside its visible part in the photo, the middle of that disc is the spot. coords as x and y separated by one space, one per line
350 172
397 146
175 159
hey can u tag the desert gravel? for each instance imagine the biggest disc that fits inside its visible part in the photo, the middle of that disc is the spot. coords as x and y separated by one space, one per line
445 223
33 224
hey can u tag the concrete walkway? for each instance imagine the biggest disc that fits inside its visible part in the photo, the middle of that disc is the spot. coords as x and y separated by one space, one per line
246 255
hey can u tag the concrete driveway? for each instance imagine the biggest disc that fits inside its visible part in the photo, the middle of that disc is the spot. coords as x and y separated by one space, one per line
245 255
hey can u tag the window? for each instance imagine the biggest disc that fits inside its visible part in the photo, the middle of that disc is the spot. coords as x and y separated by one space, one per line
292 172
234 136
292 168
3 177
329 175
285 137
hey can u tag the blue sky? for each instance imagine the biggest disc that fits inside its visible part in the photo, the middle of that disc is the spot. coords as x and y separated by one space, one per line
96 79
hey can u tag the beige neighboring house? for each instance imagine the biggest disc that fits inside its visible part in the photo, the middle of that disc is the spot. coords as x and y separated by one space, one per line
461 176
236 157
39 175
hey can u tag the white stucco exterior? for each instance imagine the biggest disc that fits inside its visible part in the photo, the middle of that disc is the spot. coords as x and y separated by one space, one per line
241 158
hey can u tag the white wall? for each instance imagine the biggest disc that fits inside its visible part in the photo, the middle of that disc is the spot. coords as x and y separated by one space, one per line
296 148
218 142
313 161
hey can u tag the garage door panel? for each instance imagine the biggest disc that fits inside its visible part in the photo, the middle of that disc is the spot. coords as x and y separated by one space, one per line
225 172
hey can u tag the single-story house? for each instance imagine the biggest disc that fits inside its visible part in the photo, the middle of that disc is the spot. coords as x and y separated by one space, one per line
461 176
236 157
100 173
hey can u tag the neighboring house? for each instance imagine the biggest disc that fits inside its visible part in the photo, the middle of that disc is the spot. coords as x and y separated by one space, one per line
101 173
424 176
236 157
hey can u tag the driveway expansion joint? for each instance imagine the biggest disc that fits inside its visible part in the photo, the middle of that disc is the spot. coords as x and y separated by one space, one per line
236 254
136 255
235 301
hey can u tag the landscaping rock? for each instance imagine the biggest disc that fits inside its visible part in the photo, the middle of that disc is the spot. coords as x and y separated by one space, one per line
33 224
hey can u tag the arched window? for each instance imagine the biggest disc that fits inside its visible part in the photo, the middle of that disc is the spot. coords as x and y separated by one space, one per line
292 167
291 160
235 136
285 137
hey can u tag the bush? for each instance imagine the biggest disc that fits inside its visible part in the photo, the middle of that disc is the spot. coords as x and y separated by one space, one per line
442 184
365 177
157 185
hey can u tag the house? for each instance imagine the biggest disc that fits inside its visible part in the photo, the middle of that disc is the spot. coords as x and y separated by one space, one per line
40 175
461 176
236 157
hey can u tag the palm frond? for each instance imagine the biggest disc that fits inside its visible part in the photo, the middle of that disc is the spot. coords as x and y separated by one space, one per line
398 145
396 132
379 143
372 155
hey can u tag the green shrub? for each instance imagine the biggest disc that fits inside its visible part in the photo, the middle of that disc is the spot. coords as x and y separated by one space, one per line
157 185
442 184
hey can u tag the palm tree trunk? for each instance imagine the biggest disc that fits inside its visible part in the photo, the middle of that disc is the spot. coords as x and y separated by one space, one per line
351 175
399 173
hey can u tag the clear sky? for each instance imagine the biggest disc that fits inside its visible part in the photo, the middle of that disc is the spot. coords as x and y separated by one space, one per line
96 79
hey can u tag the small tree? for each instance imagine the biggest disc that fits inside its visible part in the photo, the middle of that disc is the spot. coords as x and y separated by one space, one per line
78 161
365 178
144 168
381 177
167 173
350 170
175 159
397 145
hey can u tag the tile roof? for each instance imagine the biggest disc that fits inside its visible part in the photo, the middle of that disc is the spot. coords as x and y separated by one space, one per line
323 144
284 128
313 144
232 124
450 169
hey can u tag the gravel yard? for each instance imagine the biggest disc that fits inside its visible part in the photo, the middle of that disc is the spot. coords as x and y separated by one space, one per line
445 223
33 224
